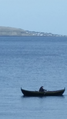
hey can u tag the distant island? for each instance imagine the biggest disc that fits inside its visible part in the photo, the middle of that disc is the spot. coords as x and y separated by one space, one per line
10 31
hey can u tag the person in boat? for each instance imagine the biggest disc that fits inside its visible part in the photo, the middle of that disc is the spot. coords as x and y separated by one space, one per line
41 89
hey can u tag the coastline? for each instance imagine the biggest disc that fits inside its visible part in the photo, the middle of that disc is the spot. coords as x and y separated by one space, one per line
10 31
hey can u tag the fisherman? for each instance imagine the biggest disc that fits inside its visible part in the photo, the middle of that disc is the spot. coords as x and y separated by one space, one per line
41 89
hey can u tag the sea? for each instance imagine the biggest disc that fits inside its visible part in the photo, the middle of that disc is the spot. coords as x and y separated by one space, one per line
28 63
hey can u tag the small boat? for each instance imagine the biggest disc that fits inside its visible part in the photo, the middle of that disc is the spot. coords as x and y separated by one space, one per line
45 93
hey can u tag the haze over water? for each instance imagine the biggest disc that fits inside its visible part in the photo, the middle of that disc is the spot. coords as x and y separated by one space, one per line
30 62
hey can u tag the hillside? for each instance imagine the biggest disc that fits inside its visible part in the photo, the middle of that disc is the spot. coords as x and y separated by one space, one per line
10 31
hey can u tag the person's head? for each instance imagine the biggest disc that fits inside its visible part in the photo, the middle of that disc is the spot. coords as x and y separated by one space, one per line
42 86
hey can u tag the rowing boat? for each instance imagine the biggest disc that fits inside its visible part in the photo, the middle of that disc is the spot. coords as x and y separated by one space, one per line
45 93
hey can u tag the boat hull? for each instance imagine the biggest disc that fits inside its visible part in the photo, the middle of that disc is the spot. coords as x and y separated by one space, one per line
40 94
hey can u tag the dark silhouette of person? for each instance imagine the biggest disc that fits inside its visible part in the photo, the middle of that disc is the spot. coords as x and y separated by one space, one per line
41 89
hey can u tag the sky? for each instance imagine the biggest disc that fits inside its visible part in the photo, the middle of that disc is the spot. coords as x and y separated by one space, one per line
48 16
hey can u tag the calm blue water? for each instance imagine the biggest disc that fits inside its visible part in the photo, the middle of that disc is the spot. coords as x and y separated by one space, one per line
30 62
